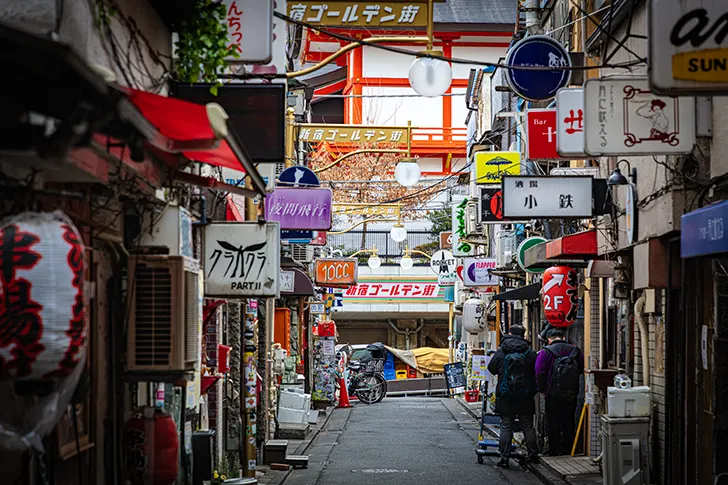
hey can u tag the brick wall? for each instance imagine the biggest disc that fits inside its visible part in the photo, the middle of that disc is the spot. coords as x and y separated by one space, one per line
595 408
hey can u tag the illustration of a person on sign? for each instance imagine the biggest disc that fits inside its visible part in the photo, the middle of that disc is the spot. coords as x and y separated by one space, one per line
655 112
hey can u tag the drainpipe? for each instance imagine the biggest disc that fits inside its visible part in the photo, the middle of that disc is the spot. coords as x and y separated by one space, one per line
639 306
533 22
407 332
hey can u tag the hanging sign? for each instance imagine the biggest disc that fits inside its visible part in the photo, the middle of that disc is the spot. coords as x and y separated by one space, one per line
474 318
541 134
360 13
242 259
384 210
525 245
298 176
331 133
318 307
623 117
538 51
688 47
476 272
296 208
335 272
491 205
459 246
491 166
703 231
286 281
296 237
560 295
570 122
630 213
444 265
250 30
547 197
446 240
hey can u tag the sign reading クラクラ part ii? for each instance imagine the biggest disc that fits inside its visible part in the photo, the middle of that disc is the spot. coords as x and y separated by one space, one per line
336 13
623 117
335 272
297 208
242 259
560 295
553 197
688 47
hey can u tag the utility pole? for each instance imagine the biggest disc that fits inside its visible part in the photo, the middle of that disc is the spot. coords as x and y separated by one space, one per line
290 134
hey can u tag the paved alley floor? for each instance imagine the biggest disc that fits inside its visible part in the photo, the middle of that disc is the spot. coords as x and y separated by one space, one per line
402 441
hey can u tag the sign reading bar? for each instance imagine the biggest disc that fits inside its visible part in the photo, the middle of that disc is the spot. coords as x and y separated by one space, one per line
554 197
367 209
491 166
353 133
688 47
335 272
298 208
242 259
404 14
541 134
623 117
393 290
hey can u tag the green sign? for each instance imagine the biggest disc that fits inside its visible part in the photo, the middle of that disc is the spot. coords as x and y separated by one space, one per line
521 253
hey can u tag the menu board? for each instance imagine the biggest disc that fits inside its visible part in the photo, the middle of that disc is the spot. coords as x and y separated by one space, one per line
455 377
480 367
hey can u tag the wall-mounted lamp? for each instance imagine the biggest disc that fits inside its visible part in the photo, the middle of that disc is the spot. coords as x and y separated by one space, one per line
617 178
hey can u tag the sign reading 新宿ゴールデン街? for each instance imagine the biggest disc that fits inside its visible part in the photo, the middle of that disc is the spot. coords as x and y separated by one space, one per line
491 166
623 117
396 291
532 197
335 272
362 13
298 208
384 210
242 259
688 47
353 134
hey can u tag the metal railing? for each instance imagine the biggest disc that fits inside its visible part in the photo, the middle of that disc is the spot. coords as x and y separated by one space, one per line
352 241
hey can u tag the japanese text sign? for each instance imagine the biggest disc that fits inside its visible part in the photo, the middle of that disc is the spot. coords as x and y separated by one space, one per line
560 295
250 30
360 13
393 290
444 265
476 272
541 134
242 259
570 122
297 208
460 247
491 166
353 134
553 197
318 307
367 210
688 47
446 240
335 272
623 117
491 205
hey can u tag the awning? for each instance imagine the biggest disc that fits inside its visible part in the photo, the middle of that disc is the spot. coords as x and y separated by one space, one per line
582 245
535 258
528 292
302 285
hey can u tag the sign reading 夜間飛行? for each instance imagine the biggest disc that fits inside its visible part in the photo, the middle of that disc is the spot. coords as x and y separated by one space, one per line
688 47
491 166
335 272
297 208
553 197
242 259
313 133
623 117
361 13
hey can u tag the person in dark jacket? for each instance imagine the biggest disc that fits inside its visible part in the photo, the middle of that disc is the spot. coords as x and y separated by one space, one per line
560 409
515 403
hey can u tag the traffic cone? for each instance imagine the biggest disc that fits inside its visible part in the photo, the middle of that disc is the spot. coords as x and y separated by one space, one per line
343 394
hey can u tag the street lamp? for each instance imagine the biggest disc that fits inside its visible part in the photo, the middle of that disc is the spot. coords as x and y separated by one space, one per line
374 262
406 262
428 76
398 233
617 178
407 172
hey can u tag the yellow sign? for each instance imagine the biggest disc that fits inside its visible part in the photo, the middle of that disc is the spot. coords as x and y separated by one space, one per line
710 65
491 166
403 14
353 133
367 210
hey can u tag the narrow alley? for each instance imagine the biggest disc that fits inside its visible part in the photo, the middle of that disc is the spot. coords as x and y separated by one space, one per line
401 441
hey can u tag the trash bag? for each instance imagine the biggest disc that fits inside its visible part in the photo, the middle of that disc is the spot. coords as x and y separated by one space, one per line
42 324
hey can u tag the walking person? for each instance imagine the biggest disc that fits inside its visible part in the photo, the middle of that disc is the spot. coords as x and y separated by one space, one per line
514 363
559 369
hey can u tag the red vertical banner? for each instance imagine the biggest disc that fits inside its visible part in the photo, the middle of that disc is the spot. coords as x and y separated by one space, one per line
541 128
560 295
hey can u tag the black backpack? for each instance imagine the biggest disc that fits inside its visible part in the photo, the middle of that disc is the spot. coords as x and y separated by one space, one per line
514 383
565 376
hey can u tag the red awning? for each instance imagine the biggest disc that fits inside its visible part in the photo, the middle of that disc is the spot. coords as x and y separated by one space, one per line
580 245
185 128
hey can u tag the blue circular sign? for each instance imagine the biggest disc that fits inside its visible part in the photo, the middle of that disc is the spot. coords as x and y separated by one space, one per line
298 176
538 51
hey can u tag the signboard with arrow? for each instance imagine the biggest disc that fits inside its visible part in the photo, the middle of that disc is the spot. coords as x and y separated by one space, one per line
560 295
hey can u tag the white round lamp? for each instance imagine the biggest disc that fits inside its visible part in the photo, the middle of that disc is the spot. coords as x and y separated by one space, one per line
406 262
374 262
407 172
430 77
474 317
398 233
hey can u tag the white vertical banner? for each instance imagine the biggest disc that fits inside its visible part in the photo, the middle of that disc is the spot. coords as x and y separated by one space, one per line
250 30
570 122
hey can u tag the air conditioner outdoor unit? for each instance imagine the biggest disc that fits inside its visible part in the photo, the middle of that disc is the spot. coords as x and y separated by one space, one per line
471 218
302 253
505 248
164 319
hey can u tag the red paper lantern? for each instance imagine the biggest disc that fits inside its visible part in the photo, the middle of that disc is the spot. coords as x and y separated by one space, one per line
560 295
152 448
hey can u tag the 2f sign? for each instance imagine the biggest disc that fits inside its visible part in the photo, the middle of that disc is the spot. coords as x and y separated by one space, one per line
552 302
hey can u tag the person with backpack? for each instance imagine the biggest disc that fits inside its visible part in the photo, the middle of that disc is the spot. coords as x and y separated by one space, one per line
559 370
514 363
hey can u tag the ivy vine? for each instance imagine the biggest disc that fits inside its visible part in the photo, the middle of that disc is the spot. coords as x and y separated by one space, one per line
202 46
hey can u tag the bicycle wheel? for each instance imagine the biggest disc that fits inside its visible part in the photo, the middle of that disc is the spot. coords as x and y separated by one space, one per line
383 384
374 387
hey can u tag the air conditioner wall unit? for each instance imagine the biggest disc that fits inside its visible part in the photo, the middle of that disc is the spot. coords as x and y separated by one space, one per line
172 228
471 218
164 318
302 253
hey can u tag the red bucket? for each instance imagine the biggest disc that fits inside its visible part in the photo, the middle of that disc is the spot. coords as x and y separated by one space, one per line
223 352
472 396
